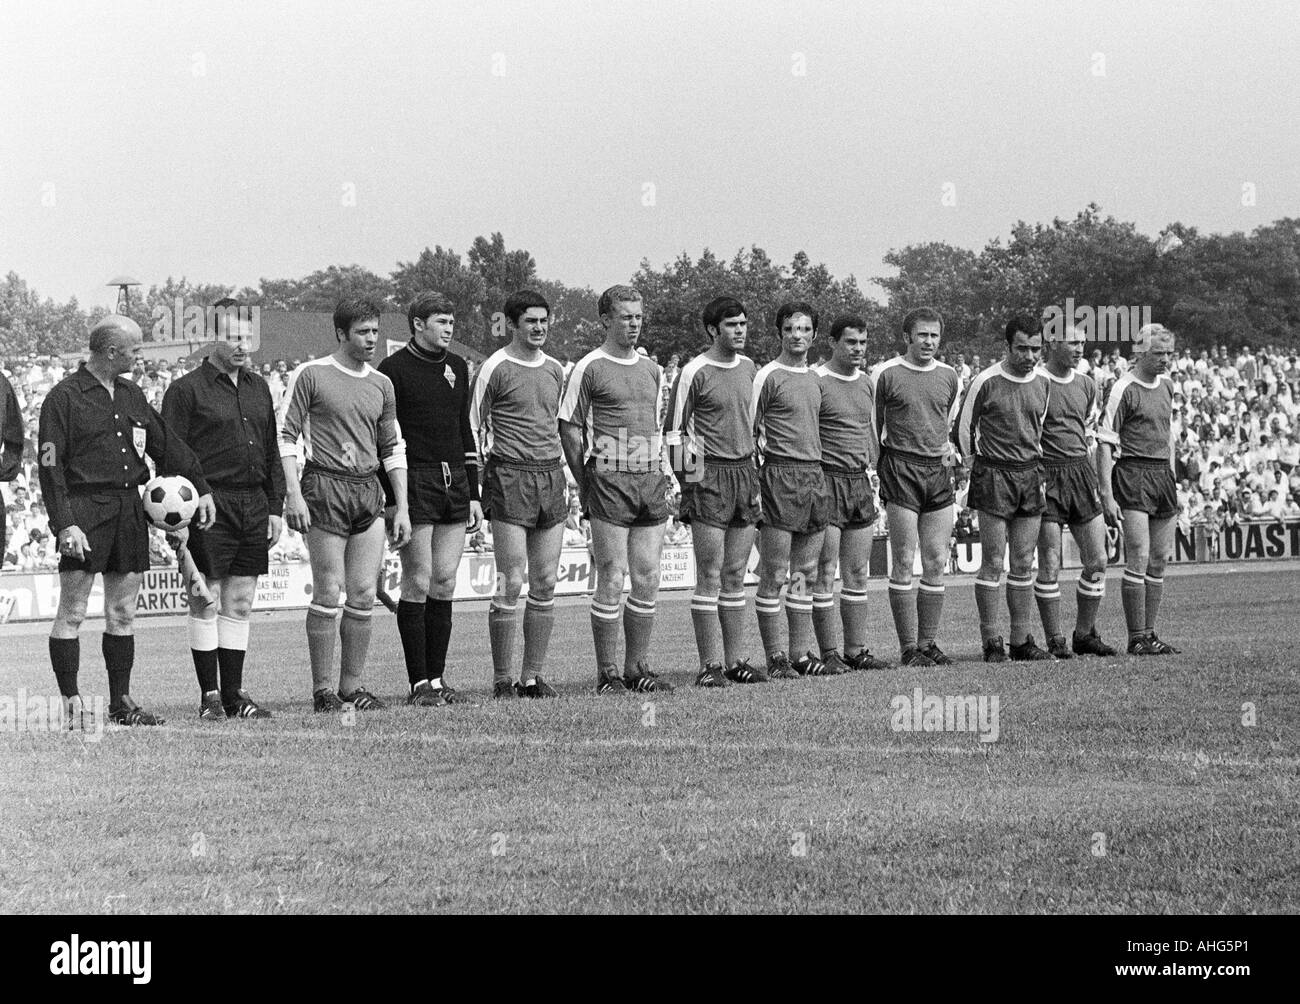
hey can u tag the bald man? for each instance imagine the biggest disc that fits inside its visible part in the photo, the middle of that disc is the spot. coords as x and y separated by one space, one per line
95 430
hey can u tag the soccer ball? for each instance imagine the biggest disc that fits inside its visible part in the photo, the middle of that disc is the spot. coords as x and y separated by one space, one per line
170 502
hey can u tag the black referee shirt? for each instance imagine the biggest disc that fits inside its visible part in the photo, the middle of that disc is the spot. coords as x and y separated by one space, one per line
90 442
231 427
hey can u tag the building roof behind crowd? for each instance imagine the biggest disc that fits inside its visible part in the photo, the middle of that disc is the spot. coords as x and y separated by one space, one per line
306 334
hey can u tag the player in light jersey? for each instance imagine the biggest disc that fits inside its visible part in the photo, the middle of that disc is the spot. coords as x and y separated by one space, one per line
1073 498
513 414
710 437
916 404
609 427
1135 468
849 449
787 402
1000 426
346 413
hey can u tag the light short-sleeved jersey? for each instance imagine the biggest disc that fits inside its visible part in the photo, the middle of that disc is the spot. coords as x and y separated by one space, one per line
710 411
347 418
847 420
1138 418
1002 416
786 403
616 401
1073 410
915 405
514 409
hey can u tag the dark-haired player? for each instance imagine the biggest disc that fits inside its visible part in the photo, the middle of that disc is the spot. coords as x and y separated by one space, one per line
346 413
1000 426
787 404
514 414
609 426
916 404
1135 468
431 386
849 448
1073 499
710 436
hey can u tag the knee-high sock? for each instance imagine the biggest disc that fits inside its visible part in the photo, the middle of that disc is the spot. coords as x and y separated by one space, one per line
824 626
1155 588
65 657
638 623
501 635
1020 605
539 616
731 617
903 608
769 624
1133 593
853 617
437 637
708 629
929 608
354 633
605 629
1048 597
798 616
119 657
232 645
320 645
411 631
203 638
988 601
1088 595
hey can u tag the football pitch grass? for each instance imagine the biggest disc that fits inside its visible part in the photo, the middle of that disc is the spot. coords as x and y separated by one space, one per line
1122 785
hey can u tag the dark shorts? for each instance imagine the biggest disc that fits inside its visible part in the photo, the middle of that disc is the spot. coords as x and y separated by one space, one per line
1146 486
850 500
535 498
1007 492
115 525
627 498
1072 494
431 499
921 484
726 495
794 496
236 543
344 505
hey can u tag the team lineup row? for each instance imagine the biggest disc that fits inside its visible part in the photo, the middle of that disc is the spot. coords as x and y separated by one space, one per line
779 456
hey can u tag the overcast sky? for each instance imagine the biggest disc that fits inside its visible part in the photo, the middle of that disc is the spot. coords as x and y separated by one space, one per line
218 141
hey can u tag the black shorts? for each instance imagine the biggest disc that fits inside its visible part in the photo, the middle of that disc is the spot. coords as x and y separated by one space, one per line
236 543
342 504
794 496
1146 486
627 498
1072 494
921 484
431 499
850 499
725 496
1007 492
533 496
117 530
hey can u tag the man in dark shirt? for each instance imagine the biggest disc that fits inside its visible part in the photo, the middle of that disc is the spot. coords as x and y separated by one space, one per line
223 411
11 441
95 429
432 387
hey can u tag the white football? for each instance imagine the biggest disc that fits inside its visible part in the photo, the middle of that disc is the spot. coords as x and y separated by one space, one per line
170 502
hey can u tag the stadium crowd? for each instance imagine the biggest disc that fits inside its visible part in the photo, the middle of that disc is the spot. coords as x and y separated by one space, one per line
1236 427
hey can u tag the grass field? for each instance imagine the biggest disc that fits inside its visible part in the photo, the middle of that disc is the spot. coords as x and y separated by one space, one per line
1114 786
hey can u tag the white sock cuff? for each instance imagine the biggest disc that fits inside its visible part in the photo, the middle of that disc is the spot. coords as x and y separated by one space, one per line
232 633
643 608
925 587
853 596
1047 590
767 604
202 634
823 601
986 584
1155 580
537 604
702 602
605 611
900 587
323 611
357 612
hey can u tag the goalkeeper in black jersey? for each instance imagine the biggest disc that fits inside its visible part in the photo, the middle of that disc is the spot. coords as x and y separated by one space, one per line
432 387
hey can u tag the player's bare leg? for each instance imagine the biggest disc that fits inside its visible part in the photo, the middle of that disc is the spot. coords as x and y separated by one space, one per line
510 551
121 590
543 556
774 550
828 562
326 554
609 549
645 546
1133 587
988 585
934 537
417 569
446 546
737 547
903 528
233 598
1091 539
65 645
1022 539
805 550
363 555
1047 588
709 543
1151 541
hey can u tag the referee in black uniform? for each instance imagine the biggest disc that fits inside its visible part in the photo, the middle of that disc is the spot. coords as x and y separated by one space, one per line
11 442
224 412
95 429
